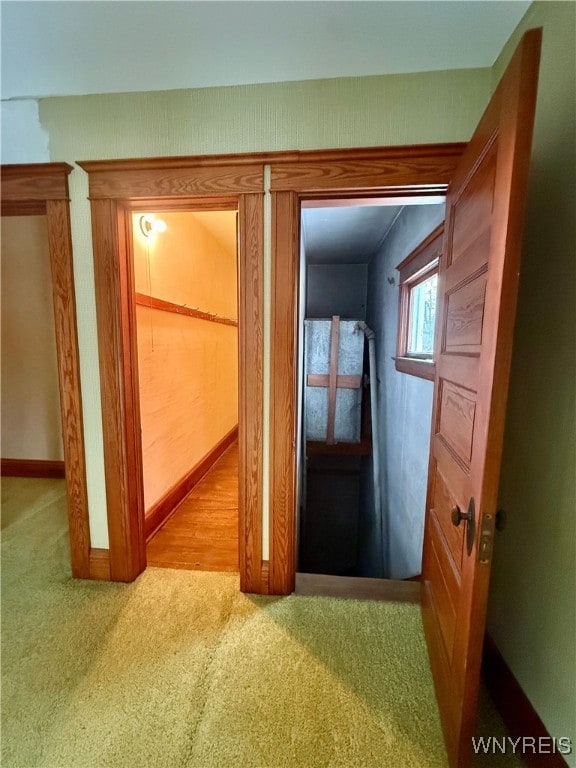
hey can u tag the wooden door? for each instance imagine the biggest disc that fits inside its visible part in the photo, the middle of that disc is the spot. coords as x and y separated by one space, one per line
478 284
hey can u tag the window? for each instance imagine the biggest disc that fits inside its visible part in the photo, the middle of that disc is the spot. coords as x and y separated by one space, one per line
417 307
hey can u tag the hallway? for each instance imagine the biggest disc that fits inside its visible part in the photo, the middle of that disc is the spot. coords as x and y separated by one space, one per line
203 532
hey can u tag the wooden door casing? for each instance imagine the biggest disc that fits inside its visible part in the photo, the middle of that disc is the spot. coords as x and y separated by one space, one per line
415 173
116 189
478 284
42 189
115 186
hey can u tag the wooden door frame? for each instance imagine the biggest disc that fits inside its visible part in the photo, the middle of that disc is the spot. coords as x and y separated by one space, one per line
411 172
41 189
116 189
118 186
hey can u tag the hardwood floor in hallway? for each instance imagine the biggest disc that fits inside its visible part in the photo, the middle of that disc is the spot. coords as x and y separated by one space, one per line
203 532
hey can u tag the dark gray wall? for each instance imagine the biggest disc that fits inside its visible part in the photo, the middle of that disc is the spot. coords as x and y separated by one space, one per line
336 289
405 409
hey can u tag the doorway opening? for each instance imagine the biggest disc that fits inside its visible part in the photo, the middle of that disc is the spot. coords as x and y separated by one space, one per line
186 323
31 422
364 418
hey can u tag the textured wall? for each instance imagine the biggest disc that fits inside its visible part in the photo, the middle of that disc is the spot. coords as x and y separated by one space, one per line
350 112
31 426
532 602
404 412
188 368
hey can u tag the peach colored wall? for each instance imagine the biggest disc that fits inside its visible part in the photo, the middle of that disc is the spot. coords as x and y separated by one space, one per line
188 368
31 427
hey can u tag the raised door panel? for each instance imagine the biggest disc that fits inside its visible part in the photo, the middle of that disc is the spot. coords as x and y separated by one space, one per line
465 316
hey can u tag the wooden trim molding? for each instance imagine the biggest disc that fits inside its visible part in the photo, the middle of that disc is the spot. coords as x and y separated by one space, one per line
381 170
406 170
420 257
516 710
68 360
421 171
420 264
179 185
32 468
165 507
283 389
142 300
23 207
357 588
34 182
119 186
113 275
182 205
250 390
100 564
437 153
121 183
24 187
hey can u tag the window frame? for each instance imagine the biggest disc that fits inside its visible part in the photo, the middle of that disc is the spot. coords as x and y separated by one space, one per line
420 264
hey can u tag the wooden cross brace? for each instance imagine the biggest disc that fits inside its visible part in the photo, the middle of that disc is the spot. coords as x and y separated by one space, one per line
333 381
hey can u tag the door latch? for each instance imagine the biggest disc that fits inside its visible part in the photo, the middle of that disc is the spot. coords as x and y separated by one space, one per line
486 538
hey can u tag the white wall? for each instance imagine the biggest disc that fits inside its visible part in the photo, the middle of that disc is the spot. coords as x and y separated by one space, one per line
24 140
31 427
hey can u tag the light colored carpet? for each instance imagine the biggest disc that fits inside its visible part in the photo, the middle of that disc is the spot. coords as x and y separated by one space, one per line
180 670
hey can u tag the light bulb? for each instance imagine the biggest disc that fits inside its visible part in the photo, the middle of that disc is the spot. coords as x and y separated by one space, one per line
148 225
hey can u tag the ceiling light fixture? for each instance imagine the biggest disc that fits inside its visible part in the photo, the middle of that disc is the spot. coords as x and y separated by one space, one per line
149 225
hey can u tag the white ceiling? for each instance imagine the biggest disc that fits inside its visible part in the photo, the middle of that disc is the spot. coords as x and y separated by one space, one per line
69 48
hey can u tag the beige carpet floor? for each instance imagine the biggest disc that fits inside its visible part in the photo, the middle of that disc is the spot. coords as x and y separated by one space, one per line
180 670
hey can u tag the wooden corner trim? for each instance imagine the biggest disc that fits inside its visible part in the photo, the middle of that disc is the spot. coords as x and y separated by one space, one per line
447 149
99 564
46 468
516 710
17 170
34 182
165 507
